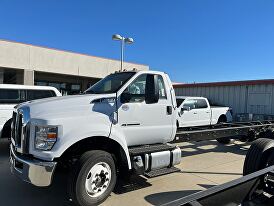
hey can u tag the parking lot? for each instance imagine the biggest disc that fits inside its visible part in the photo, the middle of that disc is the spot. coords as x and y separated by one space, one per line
204 164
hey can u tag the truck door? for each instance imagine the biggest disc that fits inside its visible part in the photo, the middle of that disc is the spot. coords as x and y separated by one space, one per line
203 112
144 123
187 116
197 114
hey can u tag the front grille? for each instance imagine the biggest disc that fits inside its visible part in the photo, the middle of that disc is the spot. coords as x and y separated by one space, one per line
18 131
13 125
17 120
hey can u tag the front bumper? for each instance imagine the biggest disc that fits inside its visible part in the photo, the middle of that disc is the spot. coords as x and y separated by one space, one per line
36 172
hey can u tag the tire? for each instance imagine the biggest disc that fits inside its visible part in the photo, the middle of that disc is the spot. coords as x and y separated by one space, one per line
6 130
224 140
258 155
95 169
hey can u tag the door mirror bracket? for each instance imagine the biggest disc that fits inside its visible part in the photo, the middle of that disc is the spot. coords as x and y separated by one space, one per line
125 97
185 108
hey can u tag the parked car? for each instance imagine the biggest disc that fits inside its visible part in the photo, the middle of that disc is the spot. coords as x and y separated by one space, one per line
11 95
196 111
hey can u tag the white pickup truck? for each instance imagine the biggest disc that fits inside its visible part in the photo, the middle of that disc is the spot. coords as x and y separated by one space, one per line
13 94
196 111
121 124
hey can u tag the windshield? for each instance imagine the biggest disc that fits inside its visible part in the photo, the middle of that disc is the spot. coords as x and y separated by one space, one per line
110 84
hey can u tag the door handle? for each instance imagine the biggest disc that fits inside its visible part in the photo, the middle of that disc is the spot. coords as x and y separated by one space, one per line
169 110
207 112
194 112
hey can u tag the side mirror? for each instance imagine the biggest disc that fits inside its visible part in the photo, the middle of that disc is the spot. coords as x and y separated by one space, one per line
125 97
152 89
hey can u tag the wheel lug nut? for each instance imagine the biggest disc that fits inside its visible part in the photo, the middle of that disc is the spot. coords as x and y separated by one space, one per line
106 173
104 186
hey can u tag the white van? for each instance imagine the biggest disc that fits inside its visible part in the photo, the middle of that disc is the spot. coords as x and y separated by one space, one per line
13 94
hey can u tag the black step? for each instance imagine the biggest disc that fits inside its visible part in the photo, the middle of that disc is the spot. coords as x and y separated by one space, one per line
162 171
144 149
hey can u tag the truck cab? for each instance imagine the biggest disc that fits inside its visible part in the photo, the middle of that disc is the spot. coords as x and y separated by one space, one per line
136 110
121 123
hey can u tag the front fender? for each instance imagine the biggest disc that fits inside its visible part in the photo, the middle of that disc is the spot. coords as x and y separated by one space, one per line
118 136
72 129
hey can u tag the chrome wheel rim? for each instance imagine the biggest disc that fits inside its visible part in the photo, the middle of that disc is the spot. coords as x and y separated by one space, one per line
98 179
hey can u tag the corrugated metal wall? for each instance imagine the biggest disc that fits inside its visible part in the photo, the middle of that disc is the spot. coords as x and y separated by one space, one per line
256 99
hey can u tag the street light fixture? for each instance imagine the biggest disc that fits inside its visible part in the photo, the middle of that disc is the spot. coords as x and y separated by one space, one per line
124 40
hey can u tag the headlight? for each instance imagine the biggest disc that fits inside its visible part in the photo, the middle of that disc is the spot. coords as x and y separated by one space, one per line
45 137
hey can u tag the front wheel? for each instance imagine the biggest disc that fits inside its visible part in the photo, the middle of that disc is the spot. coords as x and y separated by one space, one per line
93 178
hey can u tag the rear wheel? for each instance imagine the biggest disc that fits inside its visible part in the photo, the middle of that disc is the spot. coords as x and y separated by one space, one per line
224 140
259 155
93 178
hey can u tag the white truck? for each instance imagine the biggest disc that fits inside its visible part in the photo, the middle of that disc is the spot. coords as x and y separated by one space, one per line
99 133
196 111
13 94
121 124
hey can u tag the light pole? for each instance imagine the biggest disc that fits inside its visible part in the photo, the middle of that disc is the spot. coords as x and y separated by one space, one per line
123 40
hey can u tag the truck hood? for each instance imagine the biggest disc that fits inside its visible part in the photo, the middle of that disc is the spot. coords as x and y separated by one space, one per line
65 105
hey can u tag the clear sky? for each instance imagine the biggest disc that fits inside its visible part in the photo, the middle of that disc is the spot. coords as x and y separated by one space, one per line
192 40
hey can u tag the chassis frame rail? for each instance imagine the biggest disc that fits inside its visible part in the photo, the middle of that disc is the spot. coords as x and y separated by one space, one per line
242 191
233 130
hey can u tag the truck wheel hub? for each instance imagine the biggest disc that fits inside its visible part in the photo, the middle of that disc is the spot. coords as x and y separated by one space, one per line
98 179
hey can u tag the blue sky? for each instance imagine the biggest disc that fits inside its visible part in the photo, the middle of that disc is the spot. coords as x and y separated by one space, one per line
192 40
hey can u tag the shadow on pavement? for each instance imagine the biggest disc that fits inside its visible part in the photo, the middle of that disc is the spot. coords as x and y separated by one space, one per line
215 173
195 148
134 183
165 197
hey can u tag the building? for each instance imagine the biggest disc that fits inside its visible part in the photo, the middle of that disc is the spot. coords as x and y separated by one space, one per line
254 97
67 71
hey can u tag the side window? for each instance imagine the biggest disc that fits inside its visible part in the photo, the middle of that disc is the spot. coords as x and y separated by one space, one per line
137 89
190 103
39 94
162 89
179 102
201 104
10 96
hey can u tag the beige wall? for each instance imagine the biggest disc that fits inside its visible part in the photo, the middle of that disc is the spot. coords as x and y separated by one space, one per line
28 77
29 57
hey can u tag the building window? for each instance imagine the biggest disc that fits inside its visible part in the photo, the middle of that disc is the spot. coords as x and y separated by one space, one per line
64 87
